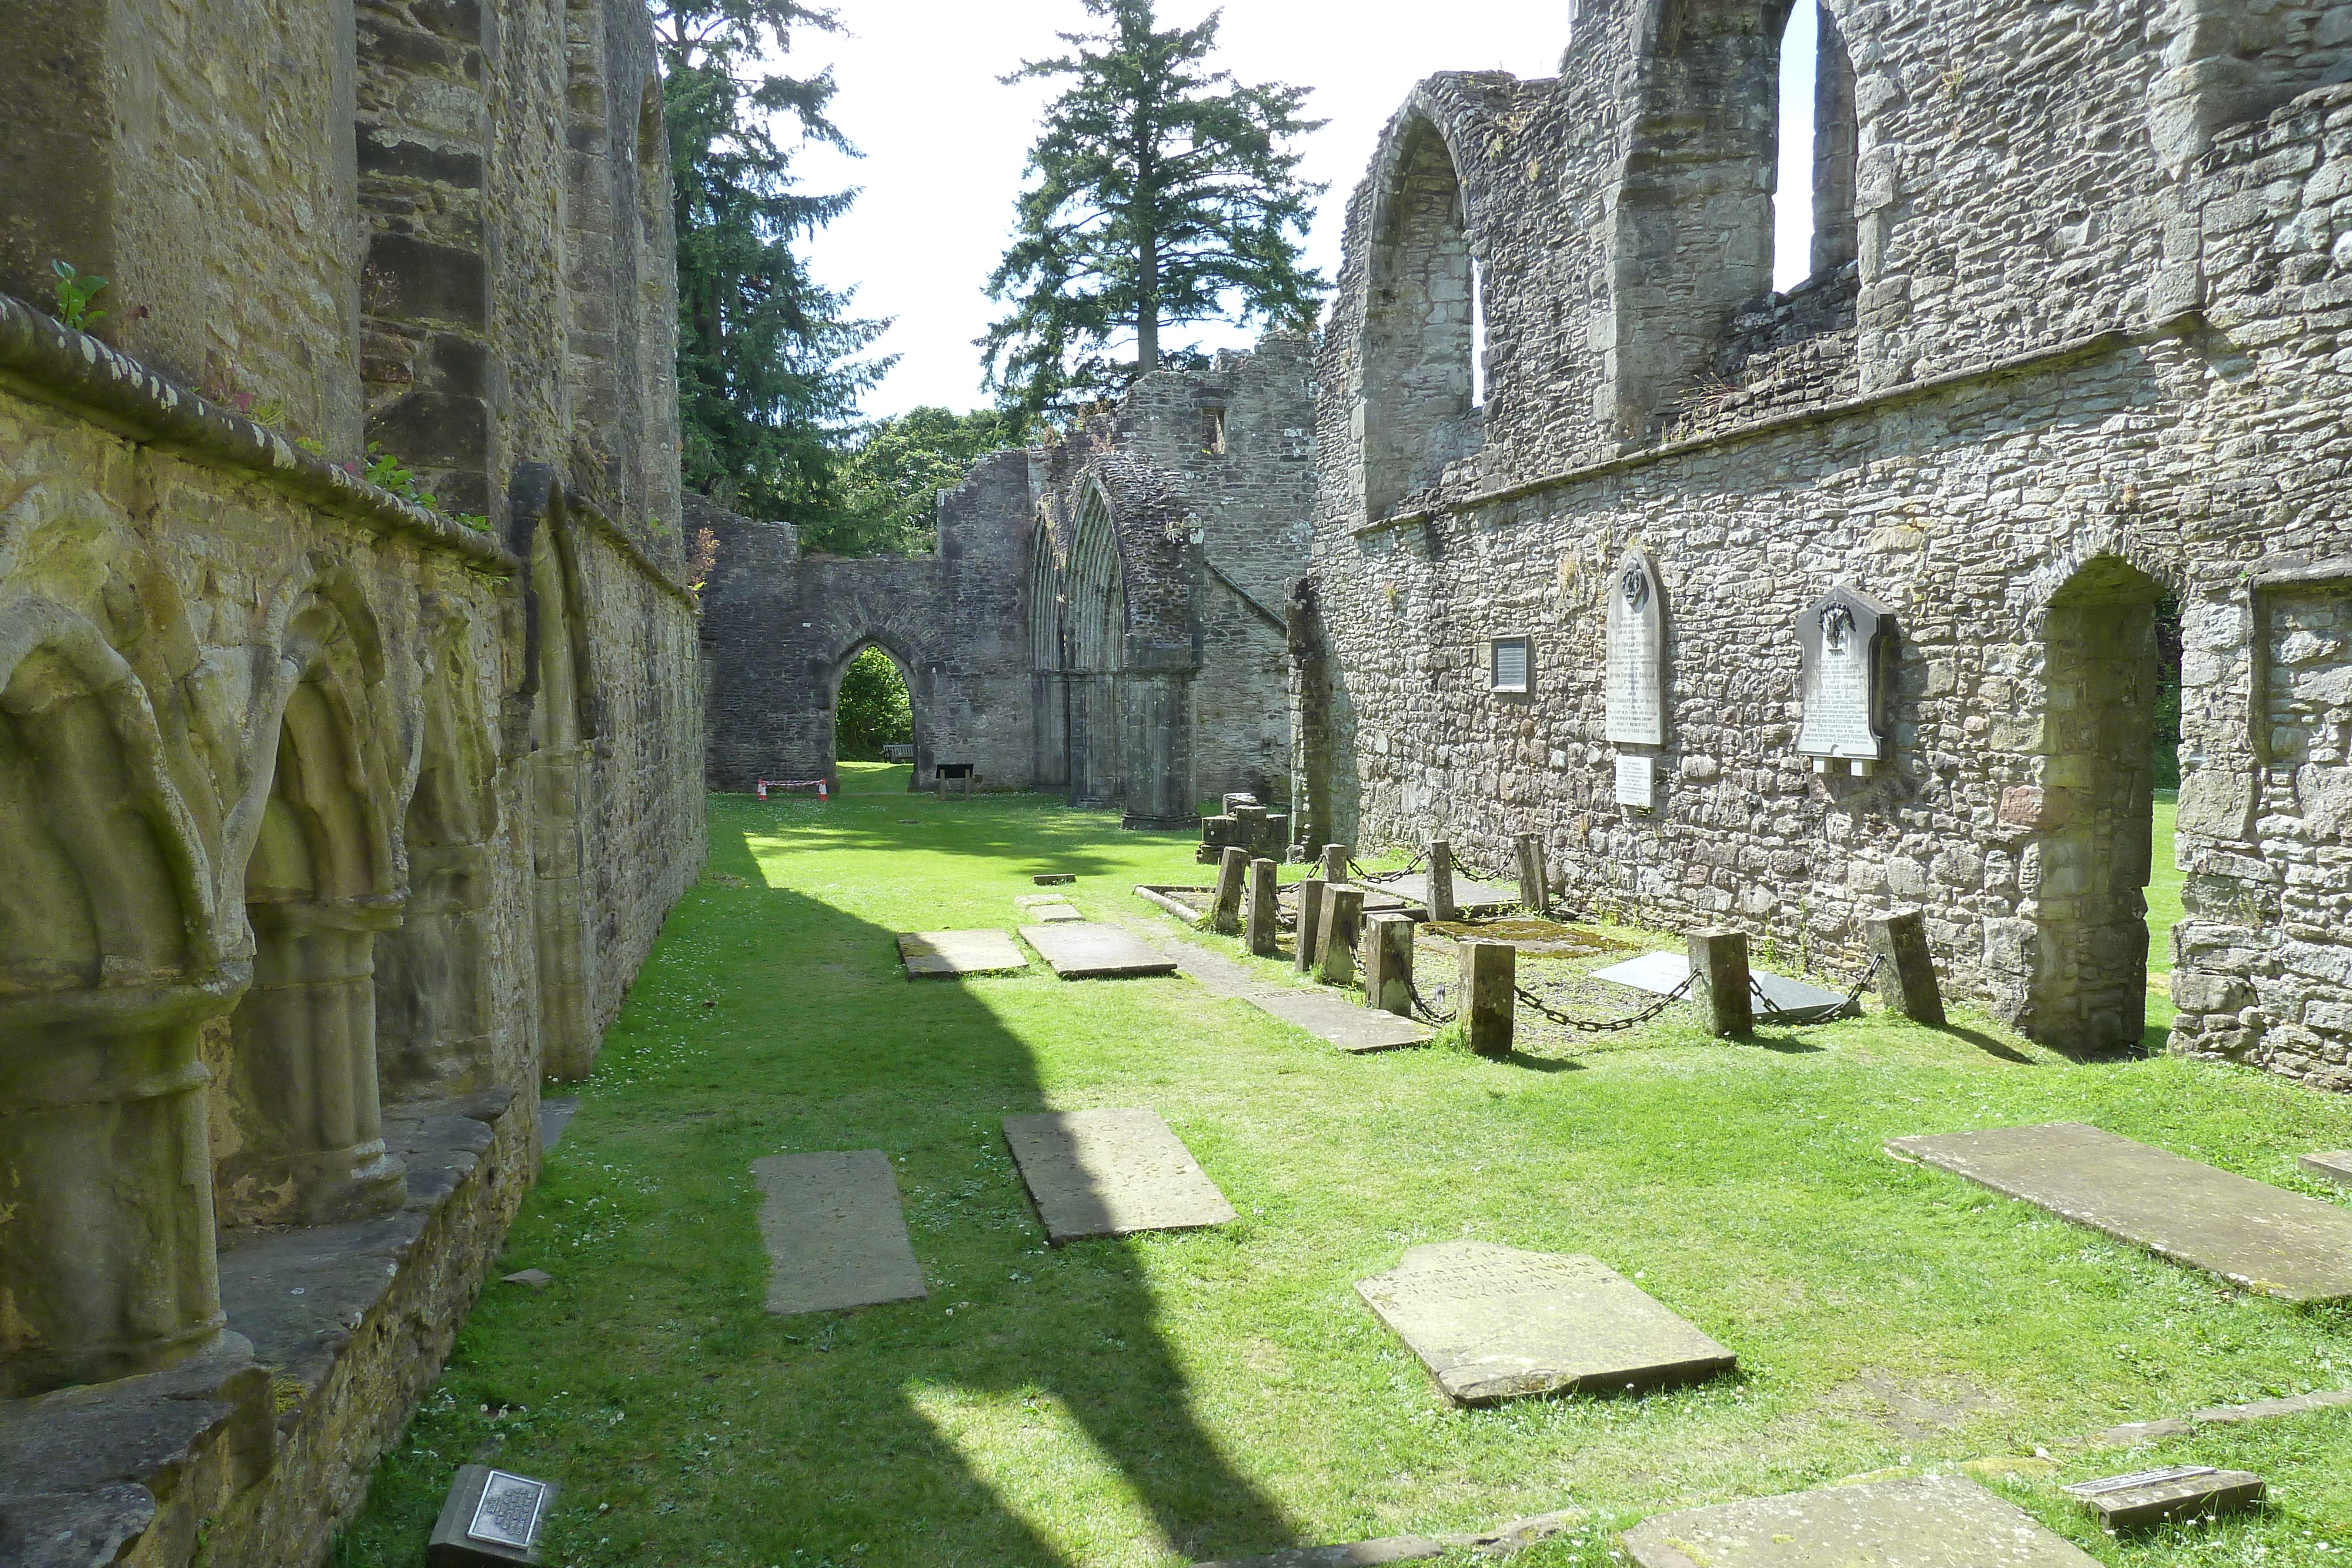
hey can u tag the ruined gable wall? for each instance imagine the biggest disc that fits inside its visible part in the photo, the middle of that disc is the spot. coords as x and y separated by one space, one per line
2188 447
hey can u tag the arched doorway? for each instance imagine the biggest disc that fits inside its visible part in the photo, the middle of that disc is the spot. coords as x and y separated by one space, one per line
873 709
1094 639
2084 870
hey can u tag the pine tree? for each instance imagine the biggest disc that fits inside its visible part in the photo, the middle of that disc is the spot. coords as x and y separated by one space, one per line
1164 193
769 375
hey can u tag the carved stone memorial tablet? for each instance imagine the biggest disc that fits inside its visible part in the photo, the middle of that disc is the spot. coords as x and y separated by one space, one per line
1492 1323
1111 1173
2181 1492
1841 638
1637 653
1934 1521
1637 781
489 1517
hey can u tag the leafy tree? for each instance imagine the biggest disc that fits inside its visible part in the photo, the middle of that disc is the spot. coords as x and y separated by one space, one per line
769 375
873 710
891 480
1164 193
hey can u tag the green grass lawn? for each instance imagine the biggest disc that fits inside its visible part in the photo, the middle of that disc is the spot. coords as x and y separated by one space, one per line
1161 1398
2163 886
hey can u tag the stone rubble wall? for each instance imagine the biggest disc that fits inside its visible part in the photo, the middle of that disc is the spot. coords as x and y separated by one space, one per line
2083 379
1205 543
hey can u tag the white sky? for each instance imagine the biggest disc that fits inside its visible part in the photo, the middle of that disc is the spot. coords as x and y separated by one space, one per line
945 144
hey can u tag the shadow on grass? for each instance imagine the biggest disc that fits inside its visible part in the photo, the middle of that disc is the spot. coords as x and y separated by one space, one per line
1991 1045
1046 833
1786 1043
927 1066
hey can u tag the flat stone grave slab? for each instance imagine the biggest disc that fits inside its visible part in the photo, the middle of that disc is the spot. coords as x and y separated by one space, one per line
1936 1521
1659 973
554 1116
2151 1497
960 953
1334 1018
1111 1173
1388 1549
1090 950
2273 1242
1054 878
1493 1322
1055 913
2335 1165
834 1232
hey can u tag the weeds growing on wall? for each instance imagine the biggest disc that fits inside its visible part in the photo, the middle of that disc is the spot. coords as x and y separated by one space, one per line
74 293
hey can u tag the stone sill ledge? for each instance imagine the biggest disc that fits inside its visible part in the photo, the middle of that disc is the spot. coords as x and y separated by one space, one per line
2084 348
128 1469
58 365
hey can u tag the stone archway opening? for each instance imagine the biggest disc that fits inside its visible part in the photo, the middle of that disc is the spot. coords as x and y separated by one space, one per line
873 709
2089 863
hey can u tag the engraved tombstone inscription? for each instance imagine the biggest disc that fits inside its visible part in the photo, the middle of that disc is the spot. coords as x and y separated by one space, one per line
1637 654
1637 783
490 1517
1842 637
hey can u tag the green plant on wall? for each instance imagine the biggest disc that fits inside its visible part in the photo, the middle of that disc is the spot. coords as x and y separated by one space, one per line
74 293
873 710
387 472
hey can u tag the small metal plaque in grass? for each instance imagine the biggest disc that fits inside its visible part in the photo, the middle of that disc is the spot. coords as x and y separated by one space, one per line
489 1517
1493 1322
2182 1491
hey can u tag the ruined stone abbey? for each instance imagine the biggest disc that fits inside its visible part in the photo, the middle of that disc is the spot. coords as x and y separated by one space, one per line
335 824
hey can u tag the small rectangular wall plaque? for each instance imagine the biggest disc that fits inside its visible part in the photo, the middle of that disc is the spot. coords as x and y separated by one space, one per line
489 1517
1637 781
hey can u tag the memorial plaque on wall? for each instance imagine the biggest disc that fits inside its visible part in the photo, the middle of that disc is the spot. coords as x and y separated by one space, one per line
1637 653
1637 781
1841 638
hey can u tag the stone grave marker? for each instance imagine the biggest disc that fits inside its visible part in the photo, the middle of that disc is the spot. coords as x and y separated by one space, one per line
1718 963
1906 969
1354 1554
1225 903
1111 1173
1055 914
1534 883
1334 863
1089 950
1262 918
835 1234
2151 1497
490 1517
554 1116
1637 653
1658 973
1493 1322
1469 897
1841 637
1489 1003
1357 1031
1438 882
2273 1242
1310 923
2335 1166
1387 963
1934 1521
1053 878
959 953
1335 934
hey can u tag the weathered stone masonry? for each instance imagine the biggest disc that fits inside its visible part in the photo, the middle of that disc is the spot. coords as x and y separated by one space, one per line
1102 617
2100 284
328 824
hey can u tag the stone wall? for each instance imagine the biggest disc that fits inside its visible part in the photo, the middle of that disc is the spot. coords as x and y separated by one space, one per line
1100 617
2085 369
333 822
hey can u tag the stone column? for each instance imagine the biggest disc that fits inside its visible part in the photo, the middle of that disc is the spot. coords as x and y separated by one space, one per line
1489 998
1387 963
1906 972
1440 880
1262 923
1534 890
1225 908
1310 922
1335 862
302 1073
107 1264
1719 962
563 777
1335 944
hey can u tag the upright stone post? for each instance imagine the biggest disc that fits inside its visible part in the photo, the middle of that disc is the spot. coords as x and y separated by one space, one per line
1262 922
1335 944
1387 963
1441 882
1534 893
1225 909
1311 920
1335 863
1489 995
1719 962
1906 973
